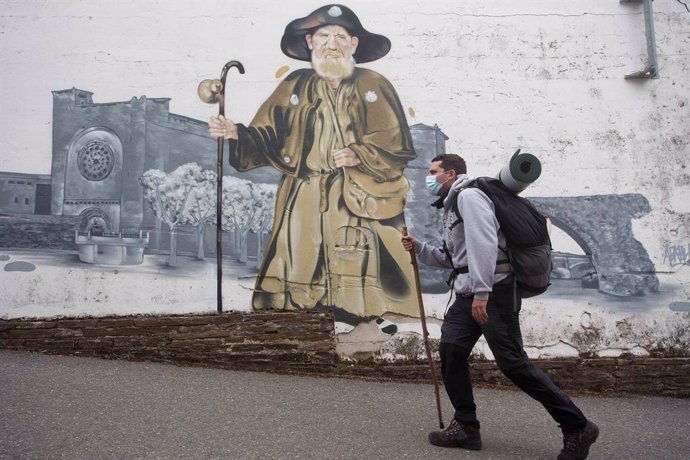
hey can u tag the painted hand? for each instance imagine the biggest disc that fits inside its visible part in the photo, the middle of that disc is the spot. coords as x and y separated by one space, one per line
479 311
409 243
345 157
222 127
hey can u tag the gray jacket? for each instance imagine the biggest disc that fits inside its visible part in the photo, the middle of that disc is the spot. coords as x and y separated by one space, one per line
474 242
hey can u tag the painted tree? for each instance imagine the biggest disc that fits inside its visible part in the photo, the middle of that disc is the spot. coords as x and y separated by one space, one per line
238 210
168 195
201 207
151 180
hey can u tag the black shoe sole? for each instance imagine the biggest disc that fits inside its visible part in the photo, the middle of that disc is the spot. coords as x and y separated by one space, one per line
458 445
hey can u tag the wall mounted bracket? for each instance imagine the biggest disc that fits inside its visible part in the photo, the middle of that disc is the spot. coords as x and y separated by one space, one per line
652 68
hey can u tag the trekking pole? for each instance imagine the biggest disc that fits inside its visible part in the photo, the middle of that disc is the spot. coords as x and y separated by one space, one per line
425 332
212 91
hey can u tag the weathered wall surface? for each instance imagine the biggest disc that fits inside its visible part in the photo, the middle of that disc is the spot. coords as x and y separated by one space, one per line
303 342
494 76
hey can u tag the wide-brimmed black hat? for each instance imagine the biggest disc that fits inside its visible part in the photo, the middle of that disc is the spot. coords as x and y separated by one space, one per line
370 48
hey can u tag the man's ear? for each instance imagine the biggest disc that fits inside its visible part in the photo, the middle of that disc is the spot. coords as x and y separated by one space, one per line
452 175
309 42
353 44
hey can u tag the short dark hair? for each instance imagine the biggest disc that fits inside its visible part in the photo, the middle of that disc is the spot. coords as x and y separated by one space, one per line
451 161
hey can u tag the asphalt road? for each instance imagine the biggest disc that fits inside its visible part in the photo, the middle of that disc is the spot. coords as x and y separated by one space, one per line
84 408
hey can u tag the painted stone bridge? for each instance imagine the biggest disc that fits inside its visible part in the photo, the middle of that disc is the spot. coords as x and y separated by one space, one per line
602 226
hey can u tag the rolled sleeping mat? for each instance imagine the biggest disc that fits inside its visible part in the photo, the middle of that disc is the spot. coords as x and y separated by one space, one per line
520 172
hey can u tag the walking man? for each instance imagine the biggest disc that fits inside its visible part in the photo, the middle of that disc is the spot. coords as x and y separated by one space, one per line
485 304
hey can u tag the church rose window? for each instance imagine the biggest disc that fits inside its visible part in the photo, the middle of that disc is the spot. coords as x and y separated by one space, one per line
95 160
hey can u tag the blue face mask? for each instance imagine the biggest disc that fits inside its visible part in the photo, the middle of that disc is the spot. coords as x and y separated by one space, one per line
432 185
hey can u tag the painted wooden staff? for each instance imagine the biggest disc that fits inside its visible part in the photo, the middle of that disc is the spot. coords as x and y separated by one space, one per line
425 332
212 91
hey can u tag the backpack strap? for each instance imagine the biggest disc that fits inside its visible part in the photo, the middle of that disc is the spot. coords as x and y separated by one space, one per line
458 217
502 266
454 272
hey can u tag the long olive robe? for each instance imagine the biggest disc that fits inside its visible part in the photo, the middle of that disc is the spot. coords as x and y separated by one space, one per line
320 253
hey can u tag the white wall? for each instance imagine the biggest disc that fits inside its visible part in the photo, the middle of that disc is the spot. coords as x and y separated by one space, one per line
494 75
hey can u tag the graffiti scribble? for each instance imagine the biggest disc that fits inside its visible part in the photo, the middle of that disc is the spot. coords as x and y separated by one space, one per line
677 254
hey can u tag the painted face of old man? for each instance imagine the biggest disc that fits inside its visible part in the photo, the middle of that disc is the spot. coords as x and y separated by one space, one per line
332 49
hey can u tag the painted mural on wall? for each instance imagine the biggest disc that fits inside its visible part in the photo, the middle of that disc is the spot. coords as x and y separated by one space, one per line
182 202
338 135
313 200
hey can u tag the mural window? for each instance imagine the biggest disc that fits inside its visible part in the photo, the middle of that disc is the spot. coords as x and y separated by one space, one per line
95 160
10 182
16 200
26 201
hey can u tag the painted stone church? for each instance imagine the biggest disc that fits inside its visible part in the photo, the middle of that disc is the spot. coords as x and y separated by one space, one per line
100 150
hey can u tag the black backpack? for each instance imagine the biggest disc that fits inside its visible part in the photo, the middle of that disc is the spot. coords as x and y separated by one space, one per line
527 236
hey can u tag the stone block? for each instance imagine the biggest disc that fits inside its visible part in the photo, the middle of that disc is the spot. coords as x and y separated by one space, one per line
196 343
43 333
93 344
77 323
157 321
201 332
115 322
11 343
64 345
36 324
248 347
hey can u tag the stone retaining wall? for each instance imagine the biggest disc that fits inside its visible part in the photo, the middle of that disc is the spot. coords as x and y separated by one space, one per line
644 376
278 342
304 343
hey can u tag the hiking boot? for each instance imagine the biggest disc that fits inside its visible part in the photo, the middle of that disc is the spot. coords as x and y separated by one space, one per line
576 441
458 434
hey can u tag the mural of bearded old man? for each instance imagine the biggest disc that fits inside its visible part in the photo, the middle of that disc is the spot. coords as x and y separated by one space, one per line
339 136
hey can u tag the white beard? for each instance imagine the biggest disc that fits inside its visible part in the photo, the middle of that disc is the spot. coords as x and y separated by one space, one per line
333 69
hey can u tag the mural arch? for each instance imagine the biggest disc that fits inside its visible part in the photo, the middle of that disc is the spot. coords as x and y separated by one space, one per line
602 226
95 220
568 262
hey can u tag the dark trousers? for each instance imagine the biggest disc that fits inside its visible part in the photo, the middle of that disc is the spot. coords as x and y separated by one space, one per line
460 333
